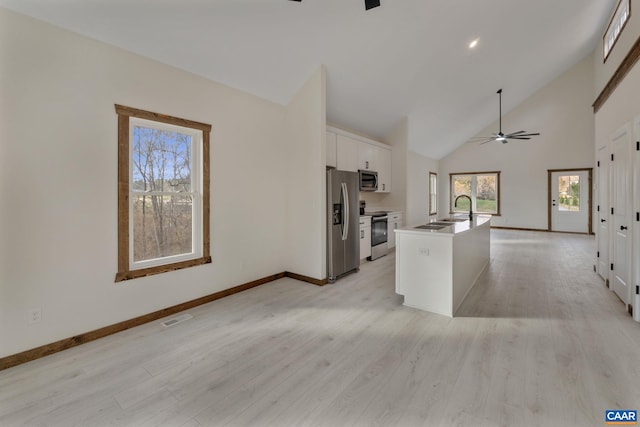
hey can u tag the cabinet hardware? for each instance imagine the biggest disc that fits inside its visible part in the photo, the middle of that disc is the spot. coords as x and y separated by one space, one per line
612 157
611 211
598 254
622 227
637 216
611 266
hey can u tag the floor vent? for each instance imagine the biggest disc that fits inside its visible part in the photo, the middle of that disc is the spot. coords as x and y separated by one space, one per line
175 320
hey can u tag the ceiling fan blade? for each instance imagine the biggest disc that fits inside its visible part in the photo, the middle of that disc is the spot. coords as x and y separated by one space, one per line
518 137
486 141
516 133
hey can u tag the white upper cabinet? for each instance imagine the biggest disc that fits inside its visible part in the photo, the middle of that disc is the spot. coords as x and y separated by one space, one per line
383 167
354 152
367 156
347 153
332 147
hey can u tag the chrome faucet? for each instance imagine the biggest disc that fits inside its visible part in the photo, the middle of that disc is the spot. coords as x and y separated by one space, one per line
455 205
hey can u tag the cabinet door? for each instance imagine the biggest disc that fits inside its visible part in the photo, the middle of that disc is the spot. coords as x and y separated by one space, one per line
367 155
394 223
365 242
383 163
347 153
332 146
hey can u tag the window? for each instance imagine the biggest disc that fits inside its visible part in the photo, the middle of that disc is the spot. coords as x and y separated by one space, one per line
569 193
433 193
615 27
163 193
483 188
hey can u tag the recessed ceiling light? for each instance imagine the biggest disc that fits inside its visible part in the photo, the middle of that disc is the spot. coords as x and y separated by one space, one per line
474 43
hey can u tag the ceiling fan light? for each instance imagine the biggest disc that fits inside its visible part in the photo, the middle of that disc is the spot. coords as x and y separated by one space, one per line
473 43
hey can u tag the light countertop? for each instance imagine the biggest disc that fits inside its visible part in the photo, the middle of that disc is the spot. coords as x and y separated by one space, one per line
450 230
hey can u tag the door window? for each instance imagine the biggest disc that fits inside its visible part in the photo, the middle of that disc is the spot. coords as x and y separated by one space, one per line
569 193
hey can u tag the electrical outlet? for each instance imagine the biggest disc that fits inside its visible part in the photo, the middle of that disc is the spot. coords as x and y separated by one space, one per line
423 251
35 315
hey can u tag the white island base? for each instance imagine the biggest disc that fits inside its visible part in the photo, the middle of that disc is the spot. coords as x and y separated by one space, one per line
436 269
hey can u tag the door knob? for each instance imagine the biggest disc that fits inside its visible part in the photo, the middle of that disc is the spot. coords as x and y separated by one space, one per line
622 227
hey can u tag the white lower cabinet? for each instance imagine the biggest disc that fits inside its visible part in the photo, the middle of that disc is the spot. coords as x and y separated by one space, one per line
365 237
394 222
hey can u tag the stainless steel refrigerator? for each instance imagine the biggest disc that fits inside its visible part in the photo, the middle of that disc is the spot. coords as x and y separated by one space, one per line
343 215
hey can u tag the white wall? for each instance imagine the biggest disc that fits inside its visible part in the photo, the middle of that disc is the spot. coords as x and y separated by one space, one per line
398 139
622 108
562 113
304 130
58 180
604 70
418 168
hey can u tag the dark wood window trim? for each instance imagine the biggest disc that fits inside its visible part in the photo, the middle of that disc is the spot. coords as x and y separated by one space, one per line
124 273
499 201
433 211
604 36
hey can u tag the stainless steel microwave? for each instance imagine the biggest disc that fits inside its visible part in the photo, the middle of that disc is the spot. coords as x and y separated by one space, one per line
368 180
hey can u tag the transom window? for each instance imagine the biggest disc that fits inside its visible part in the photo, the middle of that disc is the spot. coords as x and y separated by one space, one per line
483 188
615 27
163 193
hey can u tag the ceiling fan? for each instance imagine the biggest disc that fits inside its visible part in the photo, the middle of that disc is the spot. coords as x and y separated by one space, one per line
368 4
501 136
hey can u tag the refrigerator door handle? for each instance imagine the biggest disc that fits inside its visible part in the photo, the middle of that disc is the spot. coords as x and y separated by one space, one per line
345 217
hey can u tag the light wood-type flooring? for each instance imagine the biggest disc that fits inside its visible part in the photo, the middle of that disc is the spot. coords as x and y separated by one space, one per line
540 341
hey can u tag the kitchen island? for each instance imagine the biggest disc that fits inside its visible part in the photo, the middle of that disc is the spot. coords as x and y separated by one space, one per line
438 263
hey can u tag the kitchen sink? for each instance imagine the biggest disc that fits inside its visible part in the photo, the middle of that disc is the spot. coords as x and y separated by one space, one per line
444 224
432 226
454 219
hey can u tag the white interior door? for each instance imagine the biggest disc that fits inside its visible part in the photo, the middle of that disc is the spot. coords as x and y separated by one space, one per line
570 201
620 214
602 226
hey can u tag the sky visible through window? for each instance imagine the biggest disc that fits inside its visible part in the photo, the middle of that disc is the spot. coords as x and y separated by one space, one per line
161 160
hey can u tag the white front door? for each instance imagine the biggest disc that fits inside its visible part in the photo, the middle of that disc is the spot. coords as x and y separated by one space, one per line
570 201
620 214
602 225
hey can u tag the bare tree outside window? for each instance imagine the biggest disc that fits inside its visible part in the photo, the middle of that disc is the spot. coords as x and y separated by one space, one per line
162 201
163 193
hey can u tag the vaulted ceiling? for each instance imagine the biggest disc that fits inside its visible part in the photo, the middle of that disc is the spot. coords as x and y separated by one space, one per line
406 58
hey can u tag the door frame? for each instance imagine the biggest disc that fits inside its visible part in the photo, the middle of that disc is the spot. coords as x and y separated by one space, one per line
549 198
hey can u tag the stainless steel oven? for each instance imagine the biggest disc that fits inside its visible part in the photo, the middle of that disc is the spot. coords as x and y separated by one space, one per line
378 235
